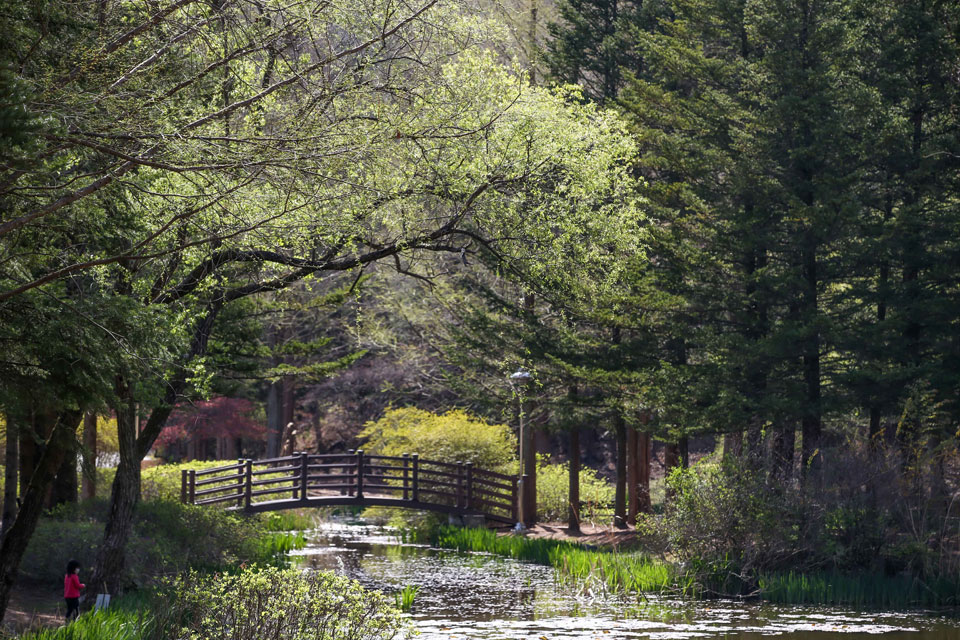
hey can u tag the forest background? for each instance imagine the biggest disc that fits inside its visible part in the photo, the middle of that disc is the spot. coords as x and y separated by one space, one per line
682 217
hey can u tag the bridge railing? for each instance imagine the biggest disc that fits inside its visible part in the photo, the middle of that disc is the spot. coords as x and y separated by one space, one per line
303 478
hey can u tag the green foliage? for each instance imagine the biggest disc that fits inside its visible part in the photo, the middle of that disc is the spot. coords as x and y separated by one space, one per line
265 602
553 491
405 597
289 521
168 537
454 436
859 590
628 572
162 482
115 623
720 514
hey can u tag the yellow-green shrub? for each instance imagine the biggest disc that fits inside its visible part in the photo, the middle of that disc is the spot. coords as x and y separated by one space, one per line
455 436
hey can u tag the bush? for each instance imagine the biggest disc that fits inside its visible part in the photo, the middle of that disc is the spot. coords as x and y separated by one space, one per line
454 436
168 537
262 603
724 519
553 493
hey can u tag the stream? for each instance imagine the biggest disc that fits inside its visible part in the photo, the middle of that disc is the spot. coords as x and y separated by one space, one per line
464 596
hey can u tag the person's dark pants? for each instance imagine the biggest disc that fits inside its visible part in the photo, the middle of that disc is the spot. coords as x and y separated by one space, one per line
73 608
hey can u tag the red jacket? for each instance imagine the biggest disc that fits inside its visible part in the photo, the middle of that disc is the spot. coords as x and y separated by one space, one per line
72 586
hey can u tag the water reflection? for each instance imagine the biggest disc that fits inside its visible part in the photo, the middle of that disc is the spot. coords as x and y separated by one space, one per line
479 596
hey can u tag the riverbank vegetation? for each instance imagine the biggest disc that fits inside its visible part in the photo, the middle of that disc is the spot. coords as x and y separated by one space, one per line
247 604
638 233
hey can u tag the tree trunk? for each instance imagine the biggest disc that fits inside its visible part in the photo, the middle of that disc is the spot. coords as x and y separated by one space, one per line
633 477
683 452
781 452
620 497
811 421
733 445
644 455
573 513
12 462
671 460
66 483
124 496
274 418
89 488
61 443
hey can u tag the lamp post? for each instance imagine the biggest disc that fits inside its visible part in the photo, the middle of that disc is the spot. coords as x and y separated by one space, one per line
519 380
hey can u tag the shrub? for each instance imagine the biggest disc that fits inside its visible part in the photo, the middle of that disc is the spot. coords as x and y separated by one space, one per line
553 493
454 436
269 602
167 537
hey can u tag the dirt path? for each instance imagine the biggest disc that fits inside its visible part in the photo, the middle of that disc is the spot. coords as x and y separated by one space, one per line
32 607
591 535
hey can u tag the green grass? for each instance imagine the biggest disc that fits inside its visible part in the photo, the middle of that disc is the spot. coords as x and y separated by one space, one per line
115 623
406 596
288 521
859 590
638 573
272 548
632 572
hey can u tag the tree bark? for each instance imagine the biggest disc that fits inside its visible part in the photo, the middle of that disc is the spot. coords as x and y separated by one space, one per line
671 460
12 462
573 513
89 488
66 483
633 477
62 442
620 497
644 455
811 420
733 445
125 495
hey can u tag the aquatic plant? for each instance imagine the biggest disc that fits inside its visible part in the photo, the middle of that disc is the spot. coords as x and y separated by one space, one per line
272 548
115 623
289 521
405 597
858 590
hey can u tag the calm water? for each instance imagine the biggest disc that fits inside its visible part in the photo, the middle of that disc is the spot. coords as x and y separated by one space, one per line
469 595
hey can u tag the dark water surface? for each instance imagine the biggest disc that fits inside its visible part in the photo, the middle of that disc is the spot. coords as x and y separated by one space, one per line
470 595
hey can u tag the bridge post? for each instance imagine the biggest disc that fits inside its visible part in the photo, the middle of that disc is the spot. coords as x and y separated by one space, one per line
295 481
240 476
304 474
515 501
469 501
459 499
183 486
346 472
248 484
406 475
359 474
416 477
193 486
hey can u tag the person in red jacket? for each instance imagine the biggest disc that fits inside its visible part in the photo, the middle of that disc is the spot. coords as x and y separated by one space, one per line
71 589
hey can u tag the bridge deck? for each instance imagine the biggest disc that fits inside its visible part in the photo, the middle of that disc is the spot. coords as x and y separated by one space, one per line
312 480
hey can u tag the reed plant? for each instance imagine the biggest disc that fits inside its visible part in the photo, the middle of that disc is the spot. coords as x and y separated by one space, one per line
858 590
115 623
289 521
272 548
406 596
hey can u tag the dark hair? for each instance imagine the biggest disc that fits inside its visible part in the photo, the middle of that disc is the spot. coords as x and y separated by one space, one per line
72 566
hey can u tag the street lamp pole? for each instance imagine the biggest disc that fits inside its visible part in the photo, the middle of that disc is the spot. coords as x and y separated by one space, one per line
519 380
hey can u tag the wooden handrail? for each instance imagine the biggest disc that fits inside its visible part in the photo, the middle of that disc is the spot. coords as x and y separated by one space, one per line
406 480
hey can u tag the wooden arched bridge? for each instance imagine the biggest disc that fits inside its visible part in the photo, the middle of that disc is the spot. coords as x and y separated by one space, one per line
320 480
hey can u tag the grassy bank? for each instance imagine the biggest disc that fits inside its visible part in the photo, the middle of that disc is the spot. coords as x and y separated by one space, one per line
635 572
